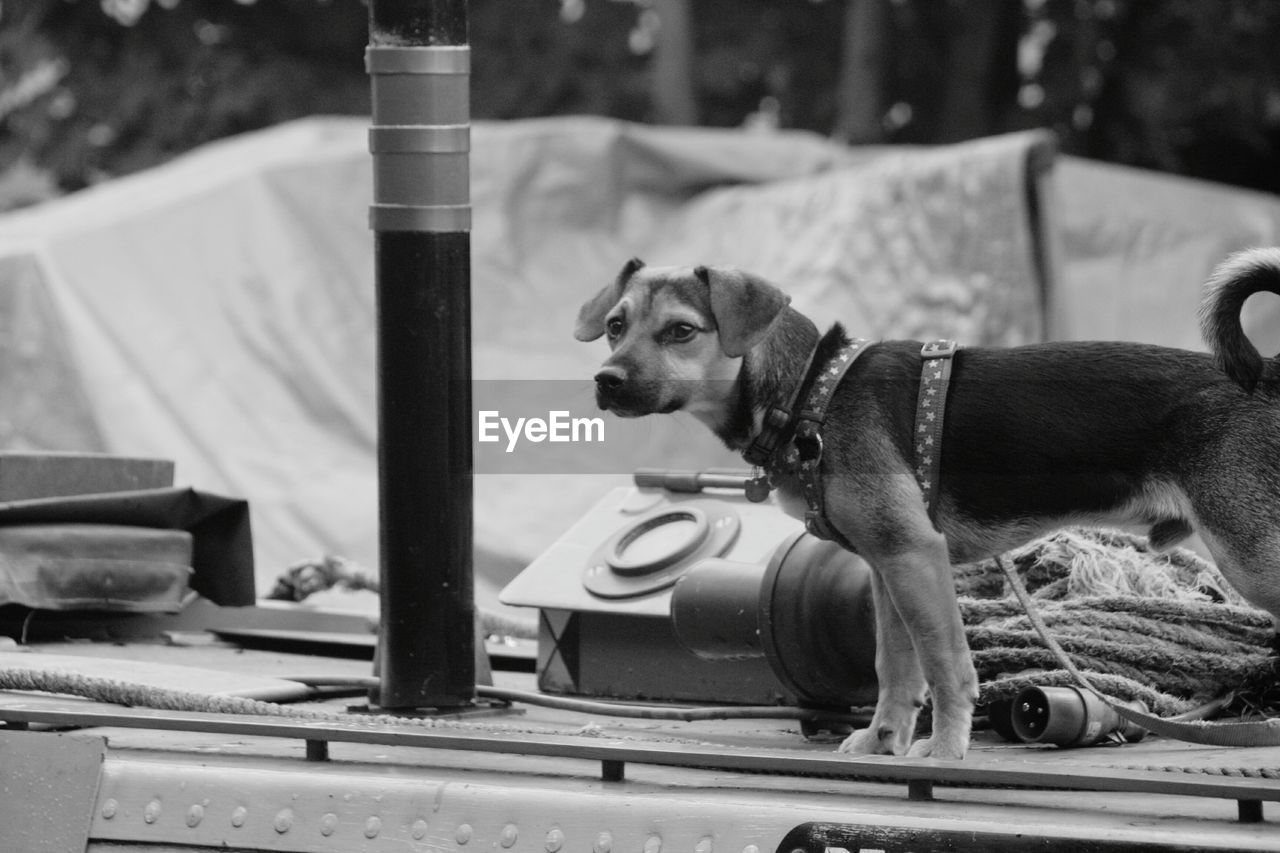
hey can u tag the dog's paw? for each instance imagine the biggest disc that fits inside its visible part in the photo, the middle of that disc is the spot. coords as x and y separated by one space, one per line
876 740
939 747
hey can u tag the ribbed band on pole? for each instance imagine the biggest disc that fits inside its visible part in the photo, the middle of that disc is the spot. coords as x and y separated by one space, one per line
420 139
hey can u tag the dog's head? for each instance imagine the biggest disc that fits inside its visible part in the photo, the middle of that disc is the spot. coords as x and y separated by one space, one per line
677 337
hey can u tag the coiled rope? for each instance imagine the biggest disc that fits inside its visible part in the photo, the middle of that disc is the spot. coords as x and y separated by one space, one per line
1160 627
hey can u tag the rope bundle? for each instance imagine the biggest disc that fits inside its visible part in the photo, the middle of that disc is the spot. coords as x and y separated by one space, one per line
1161 627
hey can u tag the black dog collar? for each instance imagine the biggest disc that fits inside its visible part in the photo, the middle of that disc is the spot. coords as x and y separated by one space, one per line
777 422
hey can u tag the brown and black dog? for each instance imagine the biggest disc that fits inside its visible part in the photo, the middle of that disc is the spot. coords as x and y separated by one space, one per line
1035 437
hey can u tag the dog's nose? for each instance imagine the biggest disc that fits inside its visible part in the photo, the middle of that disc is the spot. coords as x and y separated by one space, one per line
610 378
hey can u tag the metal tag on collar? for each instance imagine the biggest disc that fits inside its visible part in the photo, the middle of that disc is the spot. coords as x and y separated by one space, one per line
758 488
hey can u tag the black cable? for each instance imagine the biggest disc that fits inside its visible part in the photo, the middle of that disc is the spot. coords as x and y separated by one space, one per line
612 709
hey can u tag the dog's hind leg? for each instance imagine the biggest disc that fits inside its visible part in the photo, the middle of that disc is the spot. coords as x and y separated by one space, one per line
1251 564
1253 570
1234 492
901 683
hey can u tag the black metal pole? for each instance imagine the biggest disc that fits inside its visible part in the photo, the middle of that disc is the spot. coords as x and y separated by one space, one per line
419 66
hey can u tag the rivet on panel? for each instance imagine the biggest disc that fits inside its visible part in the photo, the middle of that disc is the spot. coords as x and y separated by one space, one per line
510 834
109 809
703 846
284 821
419 829
238 816
152 812
751 848
555 840
372 826
653 844
603 843
463 835
328 824
195 814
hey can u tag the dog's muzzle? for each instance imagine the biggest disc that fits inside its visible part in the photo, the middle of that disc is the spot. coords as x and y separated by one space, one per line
627 397
610 380
611 385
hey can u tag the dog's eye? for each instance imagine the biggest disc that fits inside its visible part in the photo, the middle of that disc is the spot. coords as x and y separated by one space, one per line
681 332
614 327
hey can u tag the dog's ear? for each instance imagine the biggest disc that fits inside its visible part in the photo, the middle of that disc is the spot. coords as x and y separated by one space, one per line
591 315
745 307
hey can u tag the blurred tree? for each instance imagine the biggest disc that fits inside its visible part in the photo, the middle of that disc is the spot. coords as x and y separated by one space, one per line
1176 85
95 88
861 85
144 82
975 44
1192 88
556 57
923 71
674 98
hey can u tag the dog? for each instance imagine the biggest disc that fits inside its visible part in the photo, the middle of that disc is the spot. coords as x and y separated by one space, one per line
1035 438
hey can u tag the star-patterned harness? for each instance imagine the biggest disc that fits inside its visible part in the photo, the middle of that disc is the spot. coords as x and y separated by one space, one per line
935 377
803 455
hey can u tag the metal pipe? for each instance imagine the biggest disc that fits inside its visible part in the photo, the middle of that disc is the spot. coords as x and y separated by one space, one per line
419 65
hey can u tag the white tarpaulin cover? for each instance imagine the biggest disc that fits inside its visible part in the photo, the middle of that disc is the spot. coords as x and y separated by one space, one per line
218 310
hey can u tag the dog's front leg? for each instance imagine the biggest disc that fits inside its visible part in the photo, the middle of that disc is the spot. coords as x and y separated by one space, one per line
901 683
916 576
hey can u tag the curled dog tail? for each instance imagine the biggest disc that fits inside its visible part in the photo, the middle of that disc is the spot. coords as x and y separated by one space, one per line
1235 280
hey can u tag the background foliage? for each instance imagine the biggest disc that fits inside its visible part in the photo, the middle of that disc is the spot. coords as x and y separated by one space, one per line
90 89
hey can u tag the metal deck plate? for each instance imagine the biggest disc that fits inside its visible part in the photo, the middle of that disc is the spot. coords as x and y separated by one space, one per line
60 772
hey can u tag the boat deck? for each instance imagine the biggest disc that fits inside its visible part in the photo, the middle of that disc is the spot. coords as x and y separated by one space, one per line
312 776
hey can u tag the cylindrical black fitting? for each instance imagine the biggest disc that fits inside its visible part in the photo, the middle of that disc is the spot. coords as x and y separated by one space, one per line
816 597
714 609
809 610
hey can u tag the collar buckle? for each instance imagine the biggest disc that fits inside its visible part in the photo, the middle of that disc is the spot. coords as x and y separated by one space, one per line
808 440
765 444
